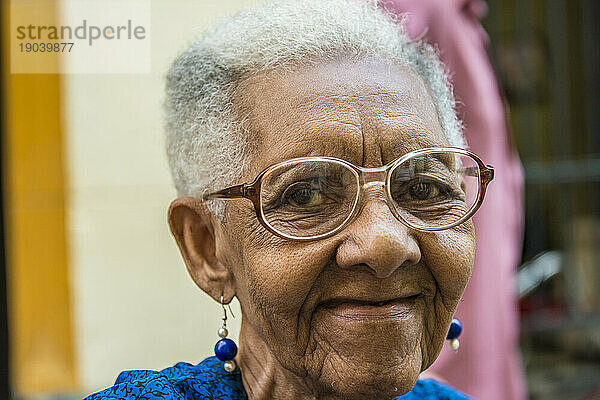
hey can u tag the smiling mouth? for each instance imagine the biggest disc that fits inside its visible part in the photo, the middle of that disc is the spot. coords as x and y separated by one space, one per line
396 308
339 301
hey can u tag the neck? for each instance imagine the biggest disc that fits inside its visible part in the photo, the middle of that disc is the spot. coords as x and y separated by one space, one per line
263 375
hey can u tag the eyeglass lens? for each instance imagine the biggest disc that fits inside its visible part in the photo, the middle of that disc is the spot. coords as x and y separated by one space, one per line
312 198
434 190
308 198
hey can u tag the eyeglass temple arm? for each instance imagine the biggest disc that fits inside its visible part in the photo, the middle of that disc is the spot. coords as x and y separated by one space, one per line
487 174
231 192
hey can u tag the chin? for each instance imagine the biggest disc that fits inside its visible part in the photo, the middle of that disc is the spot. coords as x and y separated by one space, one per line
367 358
370 376
382 387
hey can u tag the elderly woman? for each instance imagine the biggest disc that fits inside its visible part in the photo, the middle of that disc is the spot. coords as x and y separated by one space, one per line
324 184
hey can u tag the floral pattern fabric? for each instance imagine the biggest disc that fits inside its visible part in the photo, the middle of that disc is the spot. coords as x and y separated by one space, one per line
208 380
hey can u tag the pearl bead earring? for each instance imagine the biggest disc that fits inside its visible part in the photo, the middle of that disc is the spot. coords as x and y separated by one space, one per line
226 349
453 334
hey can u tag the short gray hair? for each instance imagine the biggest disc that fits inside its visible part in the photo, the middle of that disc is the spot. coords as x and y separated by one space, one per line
206 142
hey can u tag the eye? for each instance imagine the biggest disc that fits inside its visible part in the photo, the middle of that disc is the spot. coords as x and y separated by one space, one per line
302 194
422 190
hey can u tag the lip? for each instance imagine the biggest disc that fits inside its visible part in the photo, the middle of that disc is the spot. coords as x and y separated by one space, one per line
394 308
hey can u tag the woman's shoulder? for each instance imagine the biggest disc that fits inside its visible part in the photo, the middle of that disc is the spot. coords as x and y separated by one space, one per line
181 381
429 389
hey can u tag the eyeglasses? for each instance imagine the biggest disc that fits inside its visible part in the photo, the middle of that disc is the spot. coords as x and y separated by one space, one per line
312 198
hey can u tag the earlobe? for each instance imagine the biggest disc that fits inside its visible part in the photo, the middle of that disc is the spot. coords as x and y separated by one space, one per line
193 228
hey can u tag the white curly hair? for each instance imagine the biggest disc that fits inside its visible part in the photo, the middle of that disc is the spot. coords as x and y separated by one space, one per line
206 141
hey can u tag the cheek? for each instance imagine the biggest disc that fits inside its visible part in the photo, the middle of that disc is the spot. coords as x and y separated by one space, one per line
275 279
450 255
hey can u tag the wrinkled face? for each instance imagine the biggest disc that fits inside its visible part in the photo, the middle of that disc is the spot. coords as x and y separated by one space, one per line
365 311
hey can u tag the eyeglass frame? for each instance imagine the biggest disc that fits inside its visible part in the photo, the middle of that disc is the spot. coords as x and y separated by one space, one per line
251 190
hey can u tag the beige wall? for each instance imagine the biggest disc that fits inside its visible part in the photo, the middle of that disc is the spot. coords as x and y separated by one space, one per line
134 304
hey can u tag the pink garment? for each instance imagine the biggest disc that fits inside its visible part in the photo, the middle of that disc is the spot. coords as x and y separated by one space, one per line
488 364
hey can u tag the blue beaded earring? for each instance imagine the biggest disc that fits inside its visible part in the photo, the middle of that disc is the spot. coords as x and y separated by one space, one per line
226 349
453 334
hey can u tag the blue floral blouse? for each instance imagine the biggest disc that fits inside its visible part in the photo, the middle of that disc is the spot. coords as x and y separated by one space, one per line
208 380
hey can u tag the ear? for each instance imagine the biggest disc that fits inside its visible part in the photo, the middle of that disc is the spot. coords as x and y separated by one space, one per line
193 227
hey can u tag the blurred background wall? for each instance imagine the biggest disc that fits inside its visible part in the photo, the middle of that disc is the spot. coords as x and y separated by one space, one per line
546 53
95 283
131 291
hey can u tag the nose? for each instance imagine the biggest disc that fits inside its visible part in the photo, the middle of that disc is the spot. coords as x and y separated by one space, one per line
377 240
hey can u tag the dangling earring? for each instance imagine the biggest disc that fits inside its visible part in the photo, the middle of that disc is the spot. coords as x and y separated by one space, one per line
453 334
226 349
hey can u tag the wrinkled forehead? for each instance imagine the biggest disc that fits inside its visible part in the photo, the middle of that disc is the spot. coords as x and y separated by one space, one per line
363 111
